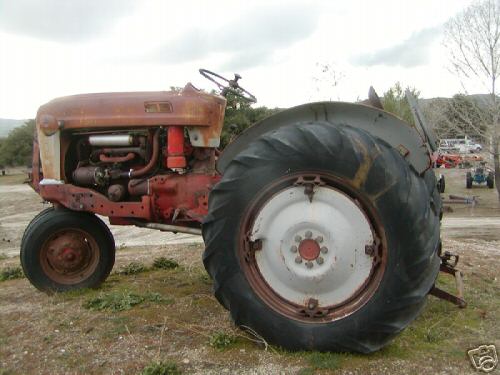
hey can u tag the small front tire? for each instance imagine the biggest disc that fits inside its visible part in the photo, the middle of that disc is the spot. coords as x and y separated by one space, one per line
63 250
441 184
490 180
468 180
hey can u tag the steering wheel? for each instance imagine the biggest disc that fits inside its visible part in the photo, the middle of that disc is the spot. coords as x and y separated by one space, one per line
228 85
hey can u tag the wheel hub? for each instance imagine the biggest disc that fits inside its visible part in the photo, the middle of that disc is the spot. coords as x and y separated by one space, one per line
309 249
69 256
68 252
313 250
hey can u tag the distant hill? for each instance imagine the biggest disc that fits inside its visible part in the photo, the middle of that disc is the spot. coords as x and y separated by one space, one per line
6 125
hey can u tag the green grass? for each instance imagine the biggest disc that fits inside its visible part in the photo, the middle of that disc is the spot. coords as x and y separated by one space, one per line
11 273
442 333
3 256
135 268
161 368
132 268
122 300
222 340
165 263
306 371
324 361
76 293
320 361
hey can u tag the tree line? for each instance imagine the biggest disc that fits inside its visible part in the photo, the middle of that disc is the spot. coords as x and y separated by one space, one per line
16 148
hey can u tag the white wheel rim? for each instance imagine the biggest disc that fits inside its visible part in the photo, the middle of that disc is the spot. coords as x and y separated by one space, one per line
335 223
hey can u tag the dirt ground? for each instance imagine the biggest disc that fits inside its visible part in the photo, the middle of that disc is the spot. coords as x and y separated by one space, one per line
184 325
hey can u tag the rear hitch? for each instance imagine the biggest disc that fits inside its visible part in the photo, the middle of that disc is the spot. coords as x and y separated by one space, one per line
448 264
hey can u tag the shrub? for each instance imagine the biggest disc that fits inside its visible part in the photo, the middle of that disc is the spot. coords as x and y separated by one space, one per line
119 301
114 301
165 263
132 268
221 340
161 368
11 273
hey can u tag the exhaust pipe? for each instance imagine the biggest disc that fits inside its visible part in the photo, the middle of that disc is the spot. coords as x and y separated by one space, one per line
167 227
111 140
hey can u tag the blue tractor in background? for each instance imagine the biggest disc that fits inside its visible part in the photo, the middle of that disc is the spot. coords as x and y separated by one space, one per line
480 175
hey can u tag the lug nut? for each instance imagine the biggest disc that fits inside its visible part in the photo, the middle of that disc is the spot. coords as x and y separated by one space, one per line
309 264
319 260
324 250
309 234
298 238
293 249
319 239
298 260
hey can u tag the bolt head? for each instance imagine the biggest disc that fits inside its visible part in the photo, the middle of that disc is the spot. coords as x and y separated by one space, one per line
324 250
309 234
319 239
298 259
319 260
309 264
293 249
298 238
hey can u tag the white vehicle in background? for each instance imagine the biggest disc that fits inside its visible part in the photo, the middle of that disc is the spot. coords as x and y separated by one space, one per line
467 146
460 145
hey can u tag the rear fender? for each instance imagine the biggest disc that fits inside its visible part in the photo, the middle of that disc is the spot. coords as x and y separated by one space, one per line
399 134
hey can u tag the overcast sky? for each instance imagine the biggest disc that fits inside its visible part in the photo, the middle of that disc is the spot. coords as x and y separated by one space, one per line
51 48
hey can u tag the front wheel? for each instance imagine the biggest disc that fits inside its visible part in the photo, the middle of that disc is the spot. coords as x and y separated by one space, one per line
322 237
490 180
468 180
63 250
441 184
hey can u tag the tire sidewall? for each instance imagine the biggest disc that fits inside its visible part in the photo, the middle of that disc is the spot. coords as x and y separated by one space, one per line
52 222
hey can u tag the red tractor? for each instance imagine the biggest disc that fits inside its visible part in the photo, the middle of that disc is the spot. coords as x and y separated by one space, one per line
321 222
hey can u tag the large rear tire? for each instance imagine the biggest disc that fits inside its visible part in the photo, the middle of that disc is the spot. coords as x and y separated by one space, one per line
63 250
323 237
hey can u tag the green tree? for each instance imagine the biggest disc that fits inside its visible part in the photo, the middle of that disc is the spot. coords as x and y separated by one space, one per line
16 149
239 116
394 101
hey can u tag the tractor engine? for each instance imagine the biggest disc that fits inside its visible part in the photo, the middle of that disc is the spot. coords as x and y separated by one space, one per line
116 164
159 163
139 158
104 161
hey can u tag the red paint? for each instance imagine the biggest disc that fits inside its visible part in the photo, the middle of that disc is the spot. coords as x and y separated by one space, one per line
185 194
173 196
175 147
309 249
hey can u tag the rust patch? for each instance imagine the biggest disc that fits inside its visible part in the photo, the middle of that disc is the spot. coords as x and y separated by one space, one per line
190 107
360 176
83 199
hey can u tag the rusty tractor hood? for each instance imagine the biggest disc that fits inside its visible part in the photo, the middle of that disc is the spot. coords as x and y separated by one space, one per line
188 107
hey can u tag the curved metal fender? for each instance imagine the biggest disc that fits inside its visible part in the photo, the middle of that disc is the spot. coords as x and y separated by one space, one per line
384 125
